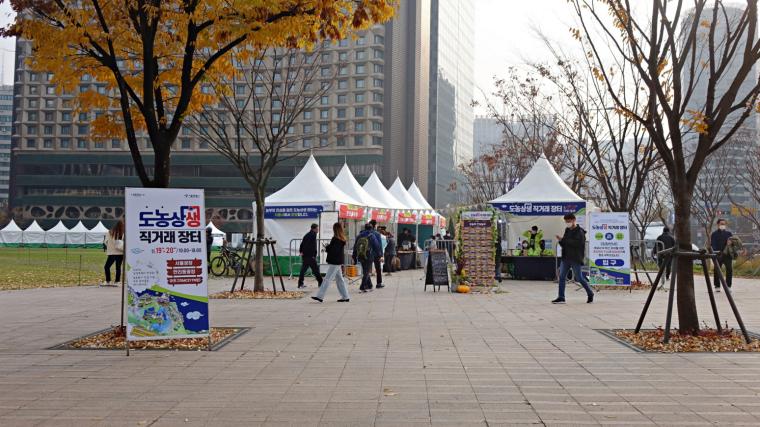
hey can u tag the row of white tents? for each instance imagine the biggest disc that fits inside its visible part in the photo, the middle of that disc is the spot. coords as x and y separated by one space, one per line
58 236
311 193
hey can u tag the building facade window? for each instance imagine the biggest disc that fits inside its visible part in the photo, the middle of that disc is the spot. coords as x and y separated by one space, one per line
359 140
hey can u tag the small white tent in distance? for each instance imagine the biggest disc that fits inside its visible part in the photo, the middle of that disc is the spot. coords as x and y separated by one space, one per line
75 238
56 236
33 236
94 238
10 235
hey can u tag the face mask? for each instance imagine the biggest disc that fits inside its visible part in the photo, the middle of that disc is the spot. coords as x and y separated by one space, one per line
722 227
569 224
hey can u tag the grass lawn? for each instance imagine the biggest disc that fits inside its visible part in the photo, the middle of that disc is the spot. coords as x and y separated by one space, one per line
25 268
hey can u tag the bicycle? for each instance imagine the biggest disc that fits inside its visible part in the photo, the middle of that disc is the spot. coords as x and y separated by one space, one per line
226 259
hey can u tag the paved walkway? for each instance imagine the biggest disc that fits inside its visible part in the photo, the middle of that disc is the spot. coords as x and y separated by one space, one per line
394 357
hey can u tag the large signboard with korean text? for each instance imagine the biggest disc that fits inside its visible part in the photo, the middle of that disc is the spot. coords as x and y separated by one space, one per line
167 296
541 208
609 249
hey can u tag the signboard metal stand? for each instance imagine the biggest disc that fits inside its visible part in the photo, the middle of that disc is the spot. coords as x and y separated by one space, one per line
672 255
437 270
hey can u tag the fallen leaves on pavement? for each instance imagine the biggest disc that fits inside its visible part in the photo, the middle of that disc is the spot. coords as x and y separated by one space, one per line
708 340
113 339
249 294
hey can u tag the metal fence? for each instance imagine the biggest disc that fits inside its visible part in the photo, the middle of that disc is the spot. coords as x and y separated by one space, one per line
86 263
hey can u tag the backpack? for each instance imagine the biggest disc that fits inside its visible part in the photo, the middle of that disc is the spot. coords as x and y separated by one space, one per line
733 247
362 248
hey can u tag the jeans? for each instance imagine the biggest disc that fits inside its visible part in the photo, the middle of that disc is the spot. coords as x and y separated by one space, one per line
109 262
728 263
378 271
306 263
333 271
498 269
366 275
564 268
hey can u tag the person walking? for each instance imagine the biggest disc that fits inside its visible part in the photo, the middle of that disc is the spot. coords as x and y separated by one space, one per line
668 241
335 257
497 261
209 241
308 252
379 255
366 250
114 242
573 244
390 253
719 241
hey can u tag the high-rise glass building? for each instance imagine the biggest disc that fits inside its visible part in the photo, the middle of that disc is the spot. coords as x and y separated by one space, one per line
374 117
451 93
6 121
747 137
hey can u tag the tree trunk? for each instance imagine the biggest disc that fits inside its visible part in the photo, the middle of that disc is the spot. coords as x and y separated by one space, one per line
161 163
688 321
258 267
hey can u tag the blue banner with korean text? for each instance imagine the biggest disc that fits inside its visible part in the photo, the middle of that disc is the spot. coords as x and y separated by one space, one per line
292 212
541 208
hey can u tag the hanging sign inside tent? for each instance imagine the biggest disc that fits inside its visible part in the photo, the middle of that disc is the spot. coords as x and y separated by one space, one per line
407 218
541 208
382 215
350 212
167 294
427 219
609 249
292 212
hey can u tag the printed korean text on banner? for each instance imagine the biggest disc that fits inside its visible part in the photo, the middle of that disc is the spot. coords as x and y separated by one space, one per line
609 249
427 219
292 212
541 208
167 294
382 215
350 212
407 218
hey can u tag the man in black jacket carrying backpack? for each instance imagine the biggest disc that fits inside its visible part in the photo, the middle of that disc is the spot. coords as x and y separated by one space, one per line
573 253
309 252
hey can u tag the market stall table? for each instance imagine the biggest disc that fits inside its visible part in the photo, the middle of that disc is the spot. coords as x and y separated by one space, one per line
408 259
531 267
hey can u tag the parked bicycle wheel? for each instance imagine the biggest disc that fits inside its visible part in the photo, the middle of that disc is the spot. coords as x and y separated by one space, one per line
218 266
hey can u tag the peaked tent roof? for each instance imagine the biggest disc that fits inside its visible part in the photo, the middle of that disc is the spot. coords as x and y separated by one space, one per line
541 184
375 188
214 231
79 228
59 228
348 183
11 226
311 185
99 228
34 227
398 191
416 194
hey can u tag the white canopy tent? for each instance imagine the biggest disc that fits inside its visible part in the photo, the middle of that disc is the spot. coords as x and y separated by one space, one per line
10 235
217 235
538 199
290 211
399 192
96 236
376 189
56 236
34 235
416 194
349 185
77 236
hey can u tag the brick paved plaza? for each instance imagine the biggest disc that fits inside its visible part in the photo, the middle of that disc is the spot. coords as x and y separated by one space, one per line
395 357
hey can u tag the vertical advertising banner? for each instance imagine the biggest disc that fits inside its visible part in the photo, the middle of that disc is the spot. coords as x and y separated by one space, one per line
165 243
609 249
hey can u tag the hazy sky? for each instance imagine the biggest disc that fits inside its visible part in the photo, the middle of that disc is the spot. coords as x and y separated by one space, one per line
503 35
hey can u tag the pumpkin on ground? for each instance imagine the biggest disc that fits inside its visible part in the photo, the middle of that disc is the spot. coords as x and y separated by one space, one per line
463 289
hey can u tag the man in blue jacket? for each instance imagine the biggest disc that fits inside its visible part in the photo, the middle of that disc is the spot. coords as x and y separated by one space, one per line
379 256
309 252
366 250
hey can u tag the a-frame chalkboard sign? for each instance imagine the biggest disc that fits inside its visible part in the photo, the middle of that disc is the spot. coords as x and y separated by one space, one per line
437 270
